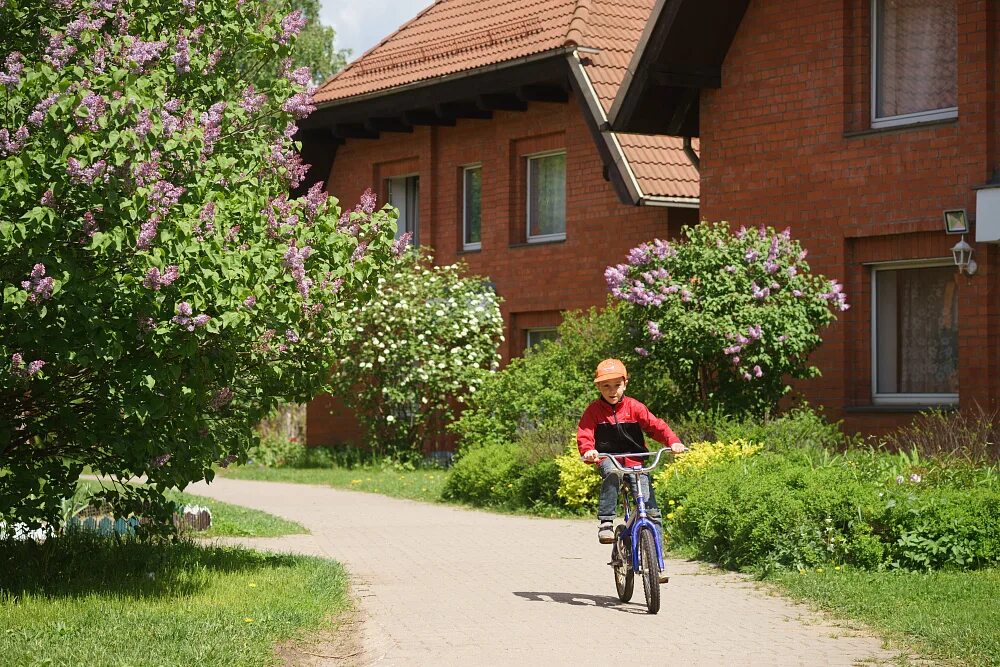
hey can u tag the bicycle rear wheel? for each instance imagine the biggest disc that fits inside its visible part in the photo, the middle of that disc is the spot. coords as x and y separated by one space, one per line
650 569
621 560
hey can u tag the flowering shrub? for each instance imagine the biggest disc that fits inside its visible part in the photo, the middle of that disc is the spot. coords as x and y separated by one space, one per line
728 314
579 482
161 290
414 352
702 455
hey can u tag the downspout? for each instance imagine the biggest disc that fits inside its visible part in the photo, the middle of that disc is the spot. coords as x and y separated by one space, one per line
691 155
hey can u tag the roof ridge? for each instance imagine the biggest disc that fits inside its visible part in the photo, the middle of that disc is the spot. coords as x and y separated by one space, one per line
578 24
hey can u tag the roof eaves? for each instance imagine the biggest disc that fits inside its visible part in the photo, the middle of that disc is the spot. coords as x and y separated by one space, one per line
492 67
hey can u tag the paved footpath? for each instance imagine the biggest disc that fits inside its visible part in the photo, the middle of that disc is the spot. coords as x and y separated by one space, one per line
439 585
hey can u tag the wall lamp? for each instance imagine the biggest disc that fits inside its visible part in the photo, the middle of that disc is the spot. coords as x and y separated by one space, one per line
956 221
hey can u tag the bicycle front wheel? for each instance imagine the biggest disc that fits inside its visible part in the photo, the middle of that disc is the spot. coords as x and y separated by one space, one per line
621 560
650 569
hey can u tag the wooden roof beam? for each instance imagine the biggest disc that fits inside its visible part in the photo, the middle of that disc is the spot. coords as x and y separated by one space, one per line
388 124
427 117
543 93
463 110
353 131
500 102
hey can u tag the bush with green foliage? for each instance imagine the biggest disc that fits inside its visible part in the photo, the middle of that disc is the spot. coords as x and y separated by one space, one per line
486 476
426 343
728 317
801 428
544 392
160 291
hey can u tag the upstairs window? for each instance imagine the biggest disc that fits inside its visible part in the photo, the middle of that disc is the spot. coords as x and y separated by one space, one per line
536 336
546 197
403 193
472 180
914 61
915 335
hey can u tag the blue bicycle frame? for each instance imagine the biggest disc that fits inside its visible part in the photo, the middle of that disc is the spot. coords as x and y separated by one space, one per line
639 518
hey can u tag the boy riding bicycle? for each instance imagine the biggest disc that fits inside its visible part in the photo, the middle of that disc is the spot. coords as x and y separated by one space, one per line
614 424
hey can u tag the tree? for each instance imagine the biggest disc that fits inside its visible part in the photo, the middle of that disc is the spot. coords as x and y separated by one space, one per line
422 346
159 289
727 316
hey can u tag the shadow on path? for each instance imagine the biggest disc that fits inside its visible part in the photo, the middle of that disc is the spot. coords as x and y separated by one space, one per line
581 600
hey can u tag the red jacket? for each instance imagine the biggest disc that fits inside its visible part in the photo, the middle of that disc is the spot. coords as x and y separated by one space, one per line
619 428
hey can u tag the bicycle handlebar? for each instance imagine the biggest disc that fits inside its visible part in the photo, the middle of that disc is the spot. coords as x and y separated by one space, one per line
634 455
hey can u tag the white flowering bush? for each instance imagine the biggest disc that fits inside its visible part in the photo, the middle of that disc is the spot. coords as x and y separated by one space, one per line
728 316
416 352
160 291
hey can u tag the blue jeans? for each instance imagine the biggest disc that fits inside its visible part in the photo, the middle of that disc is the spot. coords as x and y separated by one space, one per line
608 502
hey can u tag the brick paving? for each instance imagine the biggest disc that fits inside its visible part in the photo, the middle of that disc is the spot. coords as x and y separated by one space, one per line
441 585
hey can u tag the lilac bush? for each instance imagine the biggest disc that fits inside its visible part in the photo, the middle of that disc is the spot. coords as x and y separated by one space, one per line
160 291
729 317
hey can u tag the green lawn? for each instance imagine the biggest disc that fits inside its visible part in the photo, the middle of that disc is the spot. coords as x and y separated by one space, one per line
229 520
92 600
422 485
951 615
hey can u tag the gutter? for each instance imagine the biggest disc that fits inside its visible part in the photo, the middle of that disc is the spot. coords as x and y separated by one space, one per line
612 144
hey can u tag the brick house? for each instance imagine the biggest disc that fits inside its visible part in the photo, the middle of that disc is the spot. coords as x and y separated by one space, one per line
857 123
485 124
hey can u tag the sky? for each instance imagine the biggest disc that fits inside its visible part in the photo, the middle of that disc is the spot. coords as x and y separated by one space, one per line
361 24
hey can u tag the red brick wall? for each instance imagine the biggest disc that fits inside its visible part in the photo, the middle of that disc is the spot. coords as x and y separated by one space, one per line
536 281
785 142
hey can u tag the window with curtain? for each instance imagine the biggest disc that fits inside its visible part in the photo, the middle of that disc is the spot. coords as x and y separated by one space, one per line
547 197
916 335
915 72
472 179
403 193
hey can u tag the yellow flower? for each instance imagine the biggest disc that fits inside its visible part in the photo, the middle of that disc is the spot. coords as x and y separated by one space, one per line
252 585
801 571
670 515
355 481
672 502
837 568
248 620
819 569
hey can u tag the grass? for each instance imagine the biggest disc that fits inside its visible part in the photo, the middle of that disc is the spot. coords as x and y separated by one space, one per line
85 599
229 520
421 484
950 615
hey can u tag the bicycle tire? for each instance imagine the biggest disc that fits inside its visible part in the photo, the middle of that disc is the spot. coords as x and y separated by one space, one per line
621 559
650 570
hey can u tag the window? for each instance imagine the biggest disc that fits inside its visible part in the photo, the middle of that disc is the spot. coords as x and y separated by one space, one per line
915 335
472 180
546 197
914 61
536 336
403 192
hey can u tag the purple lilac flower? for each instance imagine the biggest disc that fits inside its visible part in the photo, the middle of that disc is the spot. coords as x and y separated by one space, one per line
211 123
751 256
11 76
85 175
742 232
400 244
915 478
89 227
160 461
155 280
663 249
164 196
37 116
139 53
295 260
187 6
654 330
782 338
48 197
201 320
38 286
639 255
314 198
145 123
803 255
642 352
221 398
90 111
83 22
759 293
796 293
291 25
291 336
771 266
147 232
359 251
757 372
685 295
754 332
229 460
287 163
10 146
299 105
250 302
147 172
736 360
615 275
213 60
58 52
300 77
792 271
732 349
251 101
18 367
182 54
730 269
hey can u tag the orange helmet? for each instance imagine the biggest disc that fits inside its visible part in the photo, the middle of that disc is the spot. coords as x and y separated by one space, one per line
609 368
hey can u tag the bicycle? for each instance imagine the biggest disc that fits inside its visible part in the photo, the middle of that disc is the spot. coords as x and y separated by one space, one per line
647 560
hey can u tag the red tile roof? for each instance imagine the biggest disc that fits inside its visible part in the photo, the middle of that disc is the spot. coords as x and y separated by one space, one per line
453 36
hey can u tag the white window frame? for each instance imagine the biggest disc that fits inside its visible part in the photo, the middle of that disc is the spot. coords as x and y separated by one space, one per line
900 399
401 229
537 330
902 119
541 238
465 207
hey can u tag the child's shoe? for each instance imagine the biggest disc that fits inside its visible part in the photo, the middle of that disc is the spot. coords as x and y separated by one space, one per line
664 577
605 532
